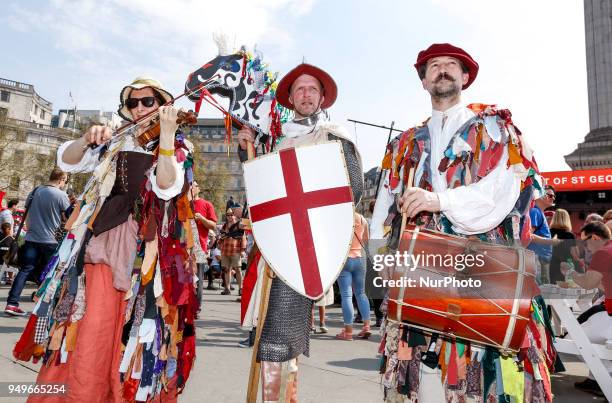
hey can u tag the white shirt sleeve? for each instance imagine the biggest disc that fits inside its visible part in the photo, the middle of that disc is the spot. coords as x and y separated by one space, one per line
482 206
175 189
381 209
87 164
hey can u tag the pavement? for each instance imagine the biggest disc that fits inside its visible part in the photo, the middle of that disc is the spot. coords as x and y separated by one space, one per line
337 371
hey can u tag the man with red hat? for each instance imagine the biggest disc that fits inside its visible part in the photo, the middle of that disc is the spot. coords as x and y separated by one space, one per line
472 175
308 91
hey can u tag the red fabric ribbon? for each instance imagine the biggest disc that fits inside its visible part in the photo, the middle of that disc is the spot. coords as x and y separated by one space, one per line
453 368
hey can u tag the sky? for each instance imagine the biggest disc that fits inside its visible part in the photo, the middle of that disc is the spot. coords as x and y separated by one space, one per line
531 55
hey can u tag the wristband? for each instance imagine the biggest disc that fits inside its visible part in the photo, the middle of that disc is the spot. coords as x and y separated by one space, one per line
167 153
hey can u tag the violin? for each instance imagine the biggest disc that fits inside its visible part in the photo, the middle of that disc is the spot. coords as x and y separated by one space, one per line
152 132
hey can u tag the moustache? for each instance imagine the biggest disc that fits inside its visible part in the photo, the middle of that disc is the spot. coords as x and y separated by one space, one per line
444 76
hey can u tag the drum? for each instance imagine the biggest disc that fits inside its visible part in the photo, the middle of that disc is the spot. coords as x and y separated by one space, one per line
463 288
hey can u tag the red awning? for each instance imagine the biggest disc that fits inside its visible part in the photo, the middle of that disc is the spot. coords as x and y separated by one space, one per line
578 181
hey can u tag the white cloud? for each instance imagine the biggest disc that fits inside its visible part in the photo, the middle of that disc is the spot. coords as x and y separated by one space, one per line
108 42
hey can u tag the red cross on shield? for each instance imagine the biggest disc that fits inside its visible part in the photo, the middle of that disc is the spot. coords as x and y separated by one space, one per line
302 214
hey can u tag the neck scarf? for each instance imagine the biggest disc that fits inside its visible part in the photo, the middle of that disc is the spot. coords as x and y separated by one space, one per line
300 126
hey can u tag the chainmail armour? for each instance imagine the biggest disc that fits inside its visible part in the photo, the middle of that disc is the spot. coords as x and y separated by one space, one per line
286 331
353 166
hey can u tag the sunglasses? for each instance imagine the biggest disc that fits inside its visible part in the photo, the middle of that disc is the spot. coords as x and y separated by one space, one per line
147 102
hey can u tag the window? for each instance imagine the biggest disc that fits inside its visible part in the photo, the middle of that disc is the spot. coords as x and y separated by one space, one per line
36 109
3 113
5 96
15 182
42 114
210 148
18 155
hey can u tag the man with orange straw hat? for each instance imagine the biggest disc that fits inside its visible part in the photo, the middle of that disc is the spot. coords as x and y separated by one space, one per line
308 91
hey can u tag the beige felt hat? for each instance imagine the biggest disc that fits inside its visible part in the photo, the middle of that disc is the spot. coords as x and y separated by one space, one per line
137 84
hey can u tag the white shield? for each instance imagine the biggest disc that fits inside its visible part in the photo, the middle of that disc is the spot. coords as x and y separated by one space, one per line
301 210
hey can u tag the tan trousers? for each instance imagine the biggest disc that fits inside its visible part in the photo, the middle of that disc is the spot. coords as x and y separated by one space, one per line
279 381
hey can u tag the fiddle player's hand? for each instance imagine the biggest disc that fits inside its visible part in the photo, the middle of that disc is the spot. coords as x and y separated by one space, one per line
416 200
97 135
245 135
168 116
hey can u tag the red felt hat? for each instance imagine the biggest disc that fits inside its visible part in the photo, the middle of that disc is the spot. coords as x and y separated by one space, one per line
330 90
446 49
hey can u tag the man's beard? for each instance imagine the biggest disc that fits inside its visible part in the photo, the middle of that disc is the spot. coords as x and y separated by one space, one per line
441 93
307 111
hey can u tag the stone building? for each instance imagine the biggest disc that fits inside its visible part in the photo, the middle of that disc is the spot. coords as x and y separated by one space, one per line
81 119
20 101
370 179
218 170
27 140
596 150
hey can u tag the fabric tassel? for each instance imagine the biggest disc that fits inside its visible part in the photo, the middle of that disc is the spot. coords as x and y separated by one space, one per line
24 348
130 387
452 370
228 131
164 228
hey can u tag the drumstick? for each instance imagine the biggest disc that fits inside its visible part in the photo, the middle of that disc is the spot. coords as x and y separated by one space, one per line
405 215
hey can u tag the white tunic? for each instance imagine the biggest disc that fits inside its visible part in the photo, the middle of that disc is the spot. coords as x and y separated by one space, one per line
472 209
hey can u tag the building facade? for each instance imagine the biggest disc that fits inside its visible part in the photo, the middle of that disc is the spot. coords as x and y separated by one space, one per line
214 160
81 119
20 101
27 140
370 179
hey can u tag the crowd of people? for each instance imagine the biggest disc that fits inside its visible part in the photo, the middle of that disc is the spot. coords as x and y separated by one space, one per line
570 257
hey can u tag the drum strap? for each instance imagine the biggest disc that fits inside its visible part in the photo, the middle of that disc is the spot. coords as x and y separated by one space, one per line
518 291
399 309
